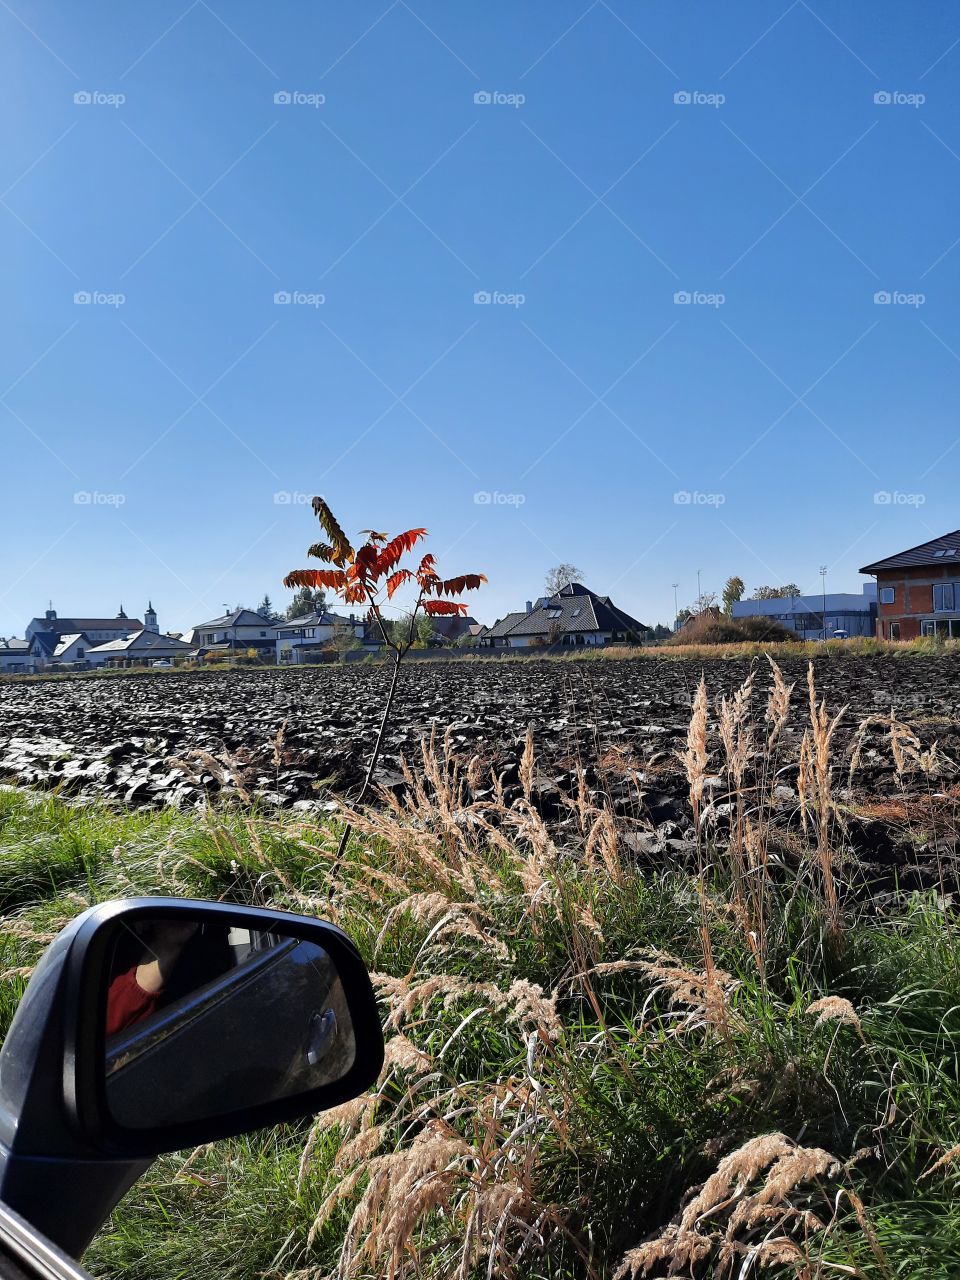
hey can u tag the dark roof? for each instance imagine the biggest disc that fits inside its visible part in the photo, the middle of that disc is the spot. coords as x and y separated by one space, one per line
314 619
45 640
573 609
503 626
453 627
71 626
239 618
943 550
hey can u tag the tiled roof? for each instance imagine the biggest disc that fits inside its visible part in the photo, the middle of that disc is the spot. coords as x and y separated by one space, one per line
938 551
315 619
239 618
142 640
574 609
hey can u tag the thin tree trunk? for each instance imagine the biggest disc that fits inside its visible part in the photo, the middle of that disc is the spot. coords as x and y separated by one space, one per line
341 848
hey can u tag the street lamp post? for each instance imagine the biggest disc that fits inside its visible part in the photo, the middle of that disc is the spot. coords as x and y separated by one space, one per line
823 598
699 592
676 607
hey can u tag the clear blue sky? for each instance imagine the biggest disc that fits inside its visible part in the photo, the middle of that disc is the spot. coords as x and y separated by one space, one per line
597 197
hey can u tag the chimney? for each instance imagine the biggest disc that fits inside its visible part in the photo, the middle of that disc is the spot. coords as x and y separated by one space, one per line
529 606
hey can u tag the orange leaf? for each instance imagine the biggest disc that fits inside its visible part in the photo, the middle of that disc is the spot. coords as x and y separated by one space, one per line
396 580
334 578
437 607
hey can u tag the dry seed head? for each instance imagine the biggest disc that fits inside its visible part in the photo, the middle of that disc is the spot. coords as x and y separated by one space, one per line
836 1009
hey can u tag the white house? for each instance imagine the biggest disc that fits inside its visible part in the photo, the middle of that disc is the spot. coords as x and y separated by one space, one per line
138 650
15 657
61 640
72 648
235 632
300 639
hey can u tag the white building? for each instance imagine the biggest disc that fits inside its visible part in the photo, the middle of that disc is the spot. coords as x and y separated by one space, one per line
138 650
300 639
15 657
235 633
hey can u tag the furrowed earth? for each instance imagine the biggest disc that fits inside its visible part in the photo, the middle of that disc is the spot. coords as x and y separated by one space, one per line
299 738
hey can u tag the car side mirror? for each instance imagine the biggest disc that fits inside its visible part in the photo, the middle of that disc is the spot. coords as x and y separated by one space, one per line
153 1024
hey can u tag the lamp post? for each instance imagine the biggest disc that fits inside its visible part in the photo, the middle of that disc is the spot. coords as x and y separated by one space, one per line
676 607
699 592
823 598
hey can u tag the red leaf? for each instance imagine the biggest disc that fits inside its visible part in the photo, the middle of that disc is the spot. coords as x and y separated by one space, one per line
436 607
335 578
466 582
397 547
396 580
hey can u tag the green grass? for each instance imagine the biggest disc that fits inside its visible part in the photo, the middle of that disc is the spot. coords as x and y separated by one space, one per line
604 1114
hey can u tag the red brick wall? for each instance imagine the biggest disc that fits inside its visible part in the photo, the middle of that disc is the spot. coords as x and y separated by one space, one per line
913 599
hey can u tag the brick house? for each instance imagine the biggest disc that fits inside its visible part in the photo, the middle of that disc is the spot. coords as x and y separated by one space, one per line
918 590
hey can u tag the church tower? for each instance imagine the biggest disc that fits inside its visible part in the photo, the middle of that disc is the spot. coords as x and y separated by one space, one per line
150 620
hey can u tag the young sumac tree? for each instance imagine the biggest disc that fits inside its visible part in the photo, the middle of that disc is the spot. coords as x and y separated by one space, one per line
371 575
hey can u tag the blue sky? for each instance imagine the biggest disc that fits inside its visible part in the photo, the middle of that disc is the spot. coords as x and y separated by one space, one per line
619 154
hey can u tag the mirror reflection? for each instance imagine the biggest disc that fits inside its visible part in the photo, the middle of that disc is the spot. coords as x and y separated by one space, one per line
204 1019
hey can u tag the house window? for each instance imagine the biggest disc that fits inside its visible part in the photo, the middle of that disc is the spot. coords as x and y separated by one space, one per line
80 653
888 595
944 596
263 633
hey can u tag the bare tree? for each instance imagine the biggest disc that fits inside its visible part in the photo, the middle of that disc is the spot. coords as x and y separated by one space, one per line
560 576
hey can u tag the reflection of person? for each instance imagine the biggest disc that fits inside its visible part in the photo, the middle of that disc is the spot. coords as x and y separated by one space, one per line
138 991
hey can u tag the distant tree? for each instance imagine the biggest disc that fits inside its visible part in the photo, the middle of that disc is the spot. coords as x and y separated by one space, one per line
344 638
266 610
660 632
683 615
307 600
732 592
560 576
775 593
706 600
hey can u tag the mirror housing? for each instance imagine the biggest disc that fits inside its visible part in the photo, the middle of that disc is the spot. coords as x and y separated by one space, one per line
65 1160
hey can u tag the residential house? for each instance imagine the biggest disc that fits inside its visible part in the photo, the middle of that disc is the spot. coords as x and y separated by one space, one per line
15 657
234 633
139 650
818 617
301 639
573 616
72 649
453 628
919 590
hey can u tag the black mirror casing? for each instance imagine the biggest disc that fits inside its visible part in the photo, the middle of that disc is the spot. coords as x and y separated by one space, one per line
64 1160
